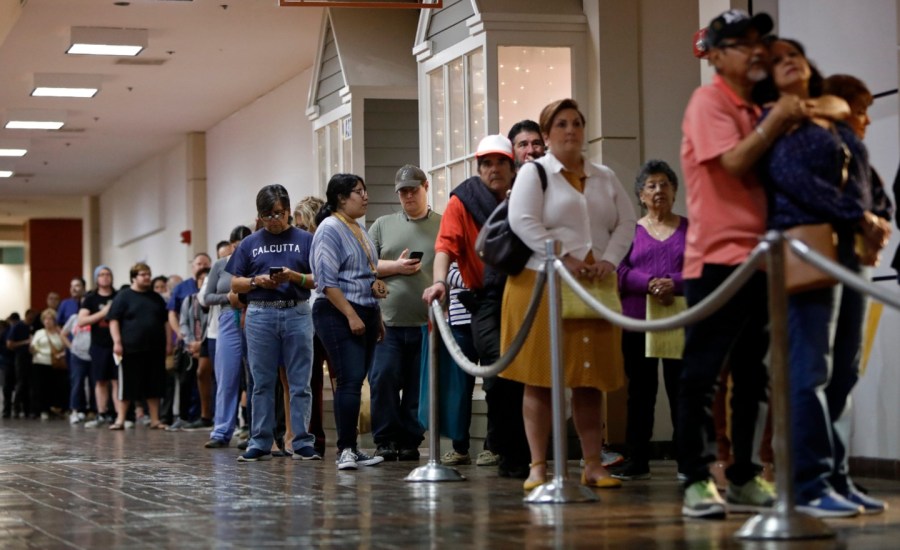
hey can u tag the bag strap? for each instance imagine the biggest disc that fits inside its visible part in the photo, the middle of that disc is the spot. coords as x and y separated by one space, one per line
541 173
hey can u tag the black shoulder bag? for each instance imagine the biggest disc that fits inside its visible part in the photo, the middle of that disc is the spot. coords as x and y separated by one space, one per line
497 245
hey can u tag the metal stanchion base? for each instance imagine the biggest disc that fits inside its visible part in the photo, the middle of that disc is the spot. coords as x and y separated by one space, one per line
561 491
775 526
434 471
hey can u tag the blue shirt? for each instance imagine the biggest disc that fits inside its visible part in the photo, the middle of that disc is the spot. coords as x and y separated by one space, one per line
179 293
67 308
339 261
262 250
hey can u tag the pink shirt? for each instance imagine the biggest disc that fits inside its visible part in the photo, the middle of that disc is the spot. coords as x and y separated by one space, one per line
727 214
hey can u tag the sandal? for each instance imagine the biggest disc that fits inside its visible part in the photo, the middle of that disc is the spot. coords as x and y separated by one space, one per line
531 484
605 482
117 427
157 426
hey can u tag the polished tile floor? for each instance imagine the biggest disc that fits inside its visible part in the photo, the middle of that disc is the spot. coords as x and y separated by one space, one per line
68 487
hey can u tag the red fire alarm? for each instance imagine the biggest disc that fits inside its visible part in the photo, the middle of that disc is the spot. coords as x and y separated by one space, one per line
186 237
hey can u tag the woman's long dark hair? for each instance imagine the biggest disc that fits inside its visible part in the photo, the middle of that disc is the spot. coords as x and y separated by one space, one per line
765 91
339 187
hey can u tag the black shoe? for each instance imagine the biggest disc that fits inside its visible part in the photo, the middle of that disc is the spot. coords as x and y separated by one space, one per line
242 446
513 470
408 454
387 451
216 444
631 471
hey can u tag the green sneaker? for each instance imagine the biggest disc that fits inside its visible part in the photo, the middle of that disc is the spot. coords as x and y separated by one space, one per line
702 500
754 496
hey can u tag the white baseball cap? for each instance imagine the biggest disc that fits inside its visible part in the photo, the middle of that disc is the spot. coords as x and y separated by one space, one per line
495 145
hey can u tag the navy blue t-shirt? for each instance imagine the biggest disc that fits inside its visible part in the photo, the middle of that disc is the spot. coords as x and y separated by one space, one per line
262 250
181 291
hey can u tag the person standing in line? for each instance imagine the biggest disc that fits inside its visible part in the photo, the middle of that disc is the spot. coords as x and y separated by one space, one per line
726 206
94 308
528 144
585 208
346 314
650 271
138 324
305 219
230 345
272 267
469 207
47 348
405 245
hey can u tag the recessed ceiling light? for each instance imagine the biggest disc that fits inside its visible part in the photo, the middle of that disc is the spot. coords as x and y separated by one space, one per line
107 41
35 119
65 85
6 173
13 152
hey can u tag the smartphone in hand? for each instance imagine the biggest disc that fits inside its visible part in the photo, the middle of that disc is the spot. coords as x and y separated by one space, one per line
417 255
275 270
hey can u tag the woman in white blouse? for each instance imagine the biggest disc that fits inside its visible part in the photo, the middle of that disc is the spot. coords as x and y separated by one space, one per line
587 210
47 345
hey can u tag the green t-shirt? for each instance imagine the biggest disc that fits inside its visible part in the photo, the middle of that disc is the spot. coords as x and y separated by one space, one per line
393 234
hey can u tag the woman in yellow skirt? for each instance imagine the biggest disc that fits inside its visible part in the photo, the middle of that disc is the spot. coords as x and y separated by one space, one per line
586 210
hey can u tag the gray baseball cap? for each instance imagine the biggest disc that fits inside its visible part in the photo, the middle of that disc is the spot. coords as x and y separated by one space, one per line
409 176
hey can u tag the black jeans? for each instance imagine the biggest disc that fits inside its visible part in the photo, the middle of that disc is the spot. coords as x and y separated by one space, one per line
643 384
506 426
737 333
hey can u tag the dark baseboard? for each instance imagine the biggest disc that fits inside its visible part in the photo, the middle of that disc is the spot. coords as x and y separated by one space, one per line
881 468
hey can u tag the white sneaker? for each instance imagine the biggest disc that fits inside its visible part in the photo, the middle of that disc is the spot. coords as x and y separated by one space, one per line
129 424
45 417
76 418
347 460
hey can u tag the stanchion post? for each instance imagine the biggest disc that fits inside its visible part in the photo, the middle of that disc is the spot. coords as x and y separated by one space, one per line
434 470
783 521
560 489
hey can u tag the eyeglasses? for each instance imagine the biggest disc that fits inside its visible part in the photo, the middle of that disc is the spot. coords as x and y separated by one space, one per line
272 215
741 45
407 191
360 192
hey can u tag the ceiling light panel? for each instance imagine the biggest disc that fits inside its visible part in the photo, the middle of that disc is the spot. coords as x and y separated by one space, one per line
34 119
65 85
13 147
6 173
107 41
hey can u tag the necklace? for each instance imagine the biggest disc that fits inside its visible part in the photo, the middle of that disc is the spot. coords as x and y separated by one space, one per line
660 235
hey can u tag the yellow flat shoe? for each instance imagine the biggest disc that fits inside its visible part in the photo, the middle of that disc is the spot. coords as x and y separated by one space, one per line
601 482
531 484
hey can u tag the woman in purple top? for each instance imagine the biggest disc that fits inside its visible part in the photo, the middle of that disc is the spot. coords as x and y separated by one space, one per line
650 271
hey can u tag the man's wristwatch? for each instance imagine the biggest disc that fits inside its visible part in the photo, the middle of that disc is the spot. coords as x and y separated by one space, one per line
253 283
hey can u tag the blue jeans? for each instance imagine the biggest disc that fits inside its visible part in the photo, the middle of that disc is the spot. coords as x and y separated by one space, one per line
228 365
273 333
79 370
825 328
349 359
394 381
463 336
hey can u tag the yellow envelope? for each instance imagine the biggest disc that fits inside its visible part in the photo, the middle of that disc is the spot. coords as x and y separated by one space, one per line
605 291
667 344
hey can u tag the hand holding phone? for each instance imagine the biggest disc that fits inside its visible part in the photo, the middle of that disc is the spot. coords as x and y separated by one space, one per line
275 270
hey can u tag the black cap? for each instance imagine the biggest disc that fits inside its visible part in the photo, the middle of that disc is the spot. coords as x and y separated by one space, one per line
735 24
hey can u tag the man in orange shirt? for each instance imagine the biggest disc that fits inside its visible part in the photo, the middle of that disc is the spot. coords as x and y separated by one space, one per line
469 207
727 209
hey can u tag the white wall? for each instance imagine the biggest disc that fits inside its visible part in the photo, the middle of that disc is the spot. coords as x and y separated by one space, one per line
14 296
860 38
143 213
268 141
